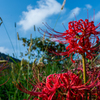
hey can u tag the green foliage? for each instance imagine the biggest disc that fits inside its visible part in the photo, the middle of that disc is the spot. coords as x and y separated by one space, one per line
43 47
39 69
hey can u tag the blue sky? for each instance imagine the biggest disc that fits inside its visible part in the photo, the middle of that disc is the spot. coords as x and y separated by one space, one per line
27 13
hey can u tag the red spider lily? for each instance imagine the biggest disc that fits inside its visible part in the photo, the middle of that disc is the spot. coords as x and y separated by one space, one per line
82 37
65 86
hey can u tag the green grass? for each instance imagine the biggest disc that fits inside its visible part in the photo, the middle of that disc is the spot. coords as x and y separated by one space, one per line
19 73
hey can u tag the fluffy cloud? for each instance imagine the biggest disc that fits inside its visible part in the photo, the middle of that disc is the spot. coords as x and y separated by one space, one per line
97 16
88 6
74 11
36 16
3 50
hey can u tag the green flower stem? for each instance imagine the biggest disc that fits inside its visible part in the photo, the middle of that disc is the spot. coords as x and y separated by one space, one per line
84 71
84 67
38 80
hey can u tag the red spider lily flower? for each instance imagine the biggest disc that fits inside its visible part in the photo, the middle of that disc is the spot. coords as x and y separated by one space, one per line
62 83
82 37
64 86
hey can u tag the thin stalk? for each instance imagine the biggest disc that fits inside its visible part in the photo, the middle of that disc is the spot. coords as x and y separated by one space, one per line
84 67
38 80
18 42
29 61
9 38
84 71
84 63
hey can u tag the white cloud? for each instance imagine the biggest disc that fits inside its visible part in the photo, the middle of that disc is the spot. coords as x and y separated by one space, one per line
36 16
3 50
88 6
74 11
97 16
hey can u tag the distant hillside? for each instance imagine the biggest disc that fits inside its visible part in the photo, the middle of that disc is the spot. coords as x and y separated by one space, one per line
6 57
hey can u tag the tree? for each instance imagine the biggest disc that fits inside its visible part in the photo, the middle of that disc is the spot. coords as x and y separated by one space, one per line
43 48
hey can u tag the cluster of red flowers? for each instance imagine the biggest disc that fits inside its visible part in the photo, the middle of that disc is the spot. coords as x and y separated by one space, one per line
82 37
65 86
